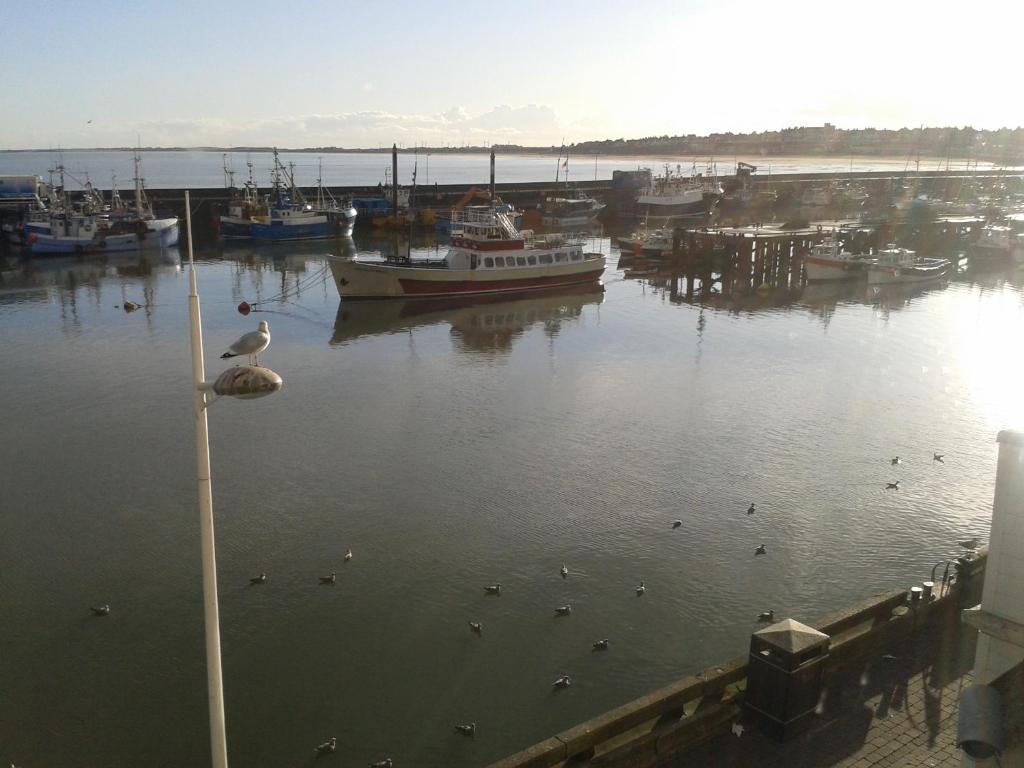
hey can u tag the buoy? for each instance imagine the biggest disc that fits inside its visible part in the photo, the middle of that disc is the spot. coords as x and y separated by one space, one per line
244 308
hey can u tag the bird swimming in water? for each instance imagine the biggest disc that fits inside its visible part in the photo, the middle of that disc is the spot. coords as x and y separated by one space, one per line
601 645
640 589
130 306
100 610
251 344
385 763
766 616
760 550
477 627
494 589
261 579
564 610
562 682
466 730
970 543
563 570
893 486
348 555
329 579
938 457
676 524
327 747
894 461
750 509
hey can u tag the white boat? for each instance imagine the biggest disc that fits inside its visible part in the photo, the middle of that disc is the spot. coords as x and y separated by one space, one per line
644 242
154 232
487 256
674 196
998 243
828 261
902 265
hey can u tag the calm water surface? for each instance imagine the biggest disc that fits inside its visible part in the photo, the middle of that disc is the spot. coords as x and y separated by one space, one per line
450 448
204 169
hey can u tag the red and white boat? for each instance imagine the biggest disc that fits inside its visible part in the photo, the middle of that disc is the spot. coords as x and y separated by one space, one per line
487 255
828 261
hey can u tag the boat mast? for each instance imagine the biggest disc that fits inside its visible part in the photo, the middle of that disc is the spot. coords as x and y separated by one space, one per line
138 186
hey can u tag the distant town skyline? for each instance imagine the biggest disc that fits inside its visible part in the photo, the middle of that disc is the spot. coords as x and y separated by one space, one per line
355 75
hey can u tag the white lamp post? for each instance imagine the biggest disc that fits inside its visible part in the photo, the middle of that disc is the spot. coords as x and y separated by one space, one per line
244 381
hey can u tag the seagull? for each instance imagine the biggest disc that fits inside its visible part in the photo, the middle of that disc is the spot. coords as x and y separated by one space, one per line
100 610
477 627
327 747
760 550
601 645
494 589
737 729
750 509
562 682
251 344
895 461
893 486
676 524
640 589
348 555
564 610
766 616
385 763
329 579
938 457
261 579
466 730
563 570
970 543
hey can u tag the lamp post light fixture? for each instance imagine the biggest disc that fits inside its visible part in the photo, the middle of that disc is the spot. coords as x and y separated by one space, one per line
243 382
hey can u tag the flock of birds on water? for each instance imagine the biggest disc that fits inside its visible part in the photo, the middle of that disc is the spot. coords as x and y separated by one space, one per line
476 627
251 344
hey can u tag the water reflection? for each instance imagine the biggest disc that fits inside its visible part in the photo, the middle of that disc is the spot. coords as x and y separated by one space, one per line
488 324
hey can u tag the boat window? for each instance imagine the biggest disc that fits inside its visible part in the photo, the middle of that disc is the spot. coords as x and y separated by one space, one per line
576 256
488 261
531 260
521 261
499 261
559 257
545 258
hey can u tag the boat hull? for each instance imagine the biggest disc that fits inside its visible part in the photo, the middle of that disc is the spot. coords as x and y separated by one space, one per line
832 269
879 274
366 280
45 243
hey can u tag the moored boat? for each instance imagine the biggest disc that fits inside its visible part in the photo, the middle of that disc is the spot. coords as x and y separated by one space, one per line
998 243
902 265
673 196
572 210
488 255
828 261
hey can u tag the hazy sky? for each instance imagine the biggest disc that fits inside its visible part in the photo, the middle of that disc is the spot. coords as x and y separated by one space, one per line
361 74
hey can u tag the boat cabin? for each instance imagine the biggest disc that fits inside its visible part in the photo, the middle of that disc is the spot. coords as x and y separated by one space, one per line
896 257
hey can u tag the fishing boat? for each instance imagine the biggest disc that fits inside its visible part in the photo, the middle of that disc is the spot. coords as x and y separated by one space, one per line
998 243
652 243
243 206
572 210
76 232
902 265
828 261
674 195
154 231
488 255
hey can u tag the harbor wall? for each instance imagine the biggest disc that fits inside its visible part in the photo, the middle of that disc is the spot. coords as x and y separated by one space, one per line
654 729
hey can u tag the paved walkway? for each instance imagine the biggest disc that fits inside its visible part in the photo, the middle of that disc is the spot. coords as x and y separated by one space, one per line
899 709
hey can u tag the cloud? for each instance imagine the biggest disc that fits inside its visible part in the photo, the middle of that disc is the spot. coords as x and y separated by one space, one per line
503 124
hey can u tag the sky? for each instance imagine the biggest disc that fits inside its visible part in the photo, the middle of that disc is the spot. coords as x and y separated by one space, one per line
307 73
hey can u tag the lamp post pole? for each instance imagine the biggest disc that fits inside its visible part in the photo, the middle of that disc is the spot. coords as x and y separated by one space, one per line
214 678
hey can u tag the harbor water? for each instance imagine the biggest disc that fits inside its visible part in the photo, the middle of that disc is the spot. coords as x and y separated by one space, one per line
452 447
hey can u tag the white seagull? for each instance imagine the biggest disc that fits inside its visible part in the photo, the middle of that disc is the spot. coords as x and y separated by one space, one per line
251 344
